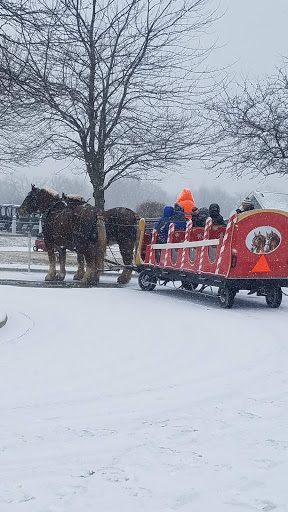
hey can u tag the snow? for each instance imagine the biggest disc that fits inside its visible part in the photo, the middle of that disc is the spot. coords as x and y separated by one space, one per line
118 400
271 200
3 318
15 249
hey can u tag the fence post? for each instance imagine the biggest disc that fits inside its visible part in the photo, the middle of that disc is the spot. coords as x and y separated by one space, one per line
40 225
29 250
14 224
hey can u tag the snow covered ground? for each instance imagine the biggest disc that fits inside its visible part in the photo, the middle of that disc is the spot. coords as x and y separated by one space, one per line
118 400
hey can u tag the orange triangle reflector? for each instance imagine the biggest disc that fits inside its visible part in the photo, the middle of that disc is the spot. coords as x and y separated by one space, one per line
261 265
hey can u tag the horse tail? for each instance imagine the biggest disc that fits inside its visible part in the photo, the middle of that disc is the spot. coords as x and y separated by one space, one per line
136 245
138 235
101 241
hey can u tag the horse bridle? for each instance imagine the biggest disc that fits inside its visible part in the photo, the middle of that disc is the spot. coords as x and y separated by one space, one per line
33 198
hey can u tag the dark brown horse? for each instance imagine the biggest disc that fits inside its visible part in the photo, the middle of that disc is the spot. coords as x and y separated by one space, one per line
121 228
272 241
80 228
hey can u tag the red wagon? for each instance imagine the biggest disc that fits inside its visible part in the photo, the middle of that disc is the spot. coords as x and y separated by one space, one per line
250 253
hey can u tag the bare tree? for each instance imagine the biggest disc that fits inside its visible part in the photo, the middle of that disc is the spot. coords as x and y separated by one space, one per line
204 196
112 84
13 188
251 128
17 129
150 209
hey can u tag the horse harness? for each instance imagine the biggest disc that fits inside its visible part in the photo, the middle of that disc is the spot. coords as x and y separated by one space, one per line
81 230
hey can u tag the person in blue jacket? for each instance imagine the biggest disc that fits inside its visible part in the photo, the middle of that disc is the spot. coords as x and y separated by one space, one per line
170 214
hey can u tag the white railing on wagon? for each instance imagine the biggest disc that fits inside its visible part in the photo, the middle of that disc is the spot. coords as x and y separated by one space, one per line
186 245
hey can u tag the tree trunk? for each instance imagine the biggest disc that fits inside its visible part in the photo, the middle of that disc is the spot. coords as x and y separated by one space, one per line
98 194
96 174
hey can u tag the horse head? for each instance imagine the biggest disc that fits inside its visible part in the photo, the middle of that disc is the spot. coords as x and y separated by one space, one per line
273 240
258 242
38 199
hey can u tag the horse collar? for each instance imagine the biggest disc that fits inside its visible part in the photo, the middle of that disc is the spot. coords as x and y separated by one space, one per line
50 208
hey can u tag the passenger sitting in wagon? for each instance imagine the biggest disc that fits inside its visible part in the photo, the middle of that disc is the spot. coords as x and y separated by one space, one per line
170 214
178 217
245 206
214 213
186 200
200 219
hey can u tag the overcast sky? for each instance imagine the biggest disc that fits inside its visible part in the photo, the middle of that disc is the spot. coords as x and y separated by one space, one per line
252 37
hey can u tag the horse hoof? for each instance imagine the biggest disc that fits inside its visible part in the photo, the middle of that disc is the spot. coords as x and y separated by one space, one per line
122 280
124 277
76 277
92 281
60 277
50 278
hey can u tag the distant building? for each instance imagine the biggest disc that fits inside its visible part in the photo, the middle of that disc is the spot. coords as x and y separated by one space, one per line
269 200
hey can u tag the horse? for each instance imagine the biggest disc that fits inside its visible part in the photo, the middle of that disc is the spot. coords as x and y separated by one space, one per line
121 228
73 200
81 228
272 241
258 243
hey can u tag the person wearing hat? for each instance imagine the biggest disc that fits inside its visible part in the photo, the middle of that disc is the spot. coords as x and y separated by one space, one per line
245 206
214 213
200 219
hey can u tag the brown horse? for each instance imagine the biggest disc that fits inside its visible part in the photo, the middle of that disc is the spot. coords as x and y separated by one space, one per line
80 228
258 243
121 228
272 241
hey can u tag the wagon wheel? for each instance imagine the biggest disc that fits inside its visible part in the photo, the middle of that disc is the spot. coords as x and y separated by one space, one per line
189 286
147 281
274 297
226 297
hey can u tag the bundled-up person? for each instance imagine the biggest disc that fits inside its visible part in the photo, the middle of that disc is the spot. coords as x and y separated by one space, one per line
178 217
186 200
214 213
170 214
200 219
245 206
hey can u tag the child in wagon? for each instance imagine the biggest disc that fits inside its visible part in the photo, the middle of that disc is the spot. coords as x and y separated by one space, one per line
170 214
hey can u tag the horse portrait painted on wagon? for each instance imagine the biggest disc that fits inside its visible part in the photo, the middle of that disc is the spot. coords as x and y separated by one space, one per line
263 240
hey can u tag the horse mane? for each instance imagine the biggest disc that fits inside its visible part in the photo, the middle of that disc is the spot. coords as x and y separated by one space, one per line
72 201
51 191
74 196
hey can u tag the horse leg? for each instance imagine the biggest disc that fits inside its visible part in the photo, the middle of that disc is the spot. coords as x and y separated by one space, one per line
60 276
95 253
90 276
51 276
94 257
81 267
126 249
